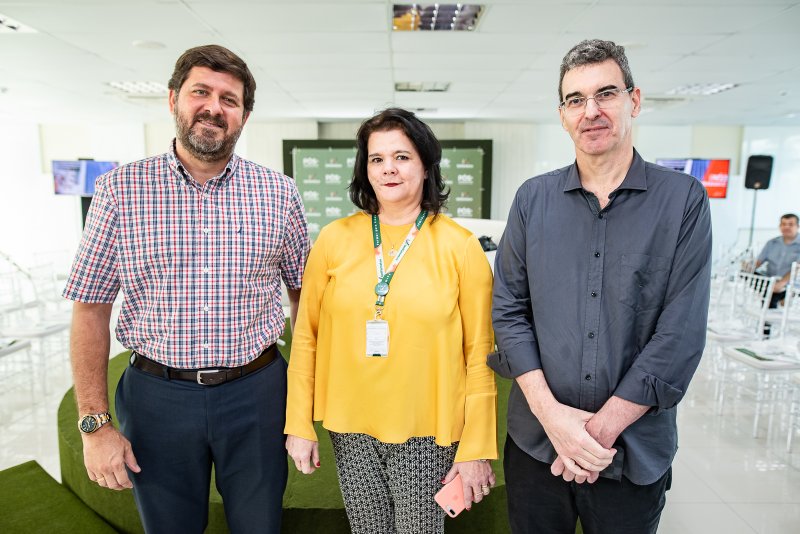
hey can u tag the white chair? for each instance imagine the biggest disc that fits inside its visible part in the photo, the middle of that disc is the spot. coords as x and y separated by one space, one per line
769 363
793 422
747 314
32 313
16 370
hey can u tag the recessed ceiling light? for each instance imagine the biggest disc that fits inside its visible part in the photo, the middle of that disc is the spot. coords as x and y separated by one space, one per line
435 17
703 89
421 87
141 88
9 25
149 45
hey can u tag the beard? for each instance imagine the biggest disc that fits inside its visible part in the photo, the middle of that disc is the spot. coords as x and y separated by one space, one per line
202 142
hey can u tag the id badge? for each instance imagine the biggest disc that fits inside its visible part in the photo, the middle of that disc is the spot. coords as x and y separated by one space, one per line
378 338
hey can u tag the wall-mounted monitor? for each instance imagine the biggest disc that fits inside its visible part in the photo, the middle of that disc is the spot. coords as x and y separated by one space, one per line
78 177
713 173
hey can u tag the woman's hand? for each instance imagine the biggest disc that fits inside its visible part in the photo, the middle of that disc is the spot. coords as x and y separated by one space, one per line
477 478
304 452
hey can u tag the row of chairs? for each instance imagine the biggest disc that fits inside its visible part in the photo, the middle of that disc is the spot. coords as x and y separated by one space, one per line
34 320
757 348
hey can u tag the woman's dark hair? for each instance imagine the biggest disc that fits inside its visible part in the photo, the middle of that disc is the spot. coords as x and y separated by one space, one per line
434 193
218 59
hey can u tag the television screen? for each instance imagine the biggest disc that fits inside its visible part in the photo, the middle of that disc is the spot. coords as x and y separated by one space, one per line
78 177
713 173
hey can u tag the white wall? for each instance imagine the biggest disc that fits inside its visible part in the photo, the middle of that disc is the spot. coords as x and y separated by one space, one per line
783 195
34 219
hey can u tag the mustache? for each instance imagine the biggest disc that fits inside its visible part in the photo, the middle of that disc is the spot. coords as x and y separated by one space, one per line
593 124
216 120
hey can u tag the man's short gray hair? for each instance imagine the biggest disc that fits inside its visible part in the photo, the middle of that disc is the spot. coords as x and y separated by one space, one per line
591 51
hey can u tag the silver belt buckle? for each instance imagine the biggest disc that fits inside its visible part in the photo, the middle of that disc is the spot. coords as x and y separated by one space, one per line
200 374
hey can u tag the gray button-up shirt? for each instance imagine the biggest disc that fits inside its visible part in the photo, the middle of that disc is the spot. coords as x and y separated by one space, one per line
780 255
605 302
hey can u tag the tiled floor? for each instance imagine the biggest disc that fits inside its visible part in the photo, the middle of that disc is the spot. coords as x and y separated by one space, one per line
725 481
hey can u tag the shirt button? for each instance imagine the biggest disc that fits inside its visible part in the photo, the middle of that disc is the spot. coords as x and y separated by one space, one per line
205 270
591 335
588 377
205 345
205 230
594 293
205 308
596 254
599 215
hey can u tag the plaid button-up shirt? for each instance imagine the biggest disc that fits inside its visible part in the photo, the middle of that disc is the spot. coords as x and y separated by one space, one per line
199 265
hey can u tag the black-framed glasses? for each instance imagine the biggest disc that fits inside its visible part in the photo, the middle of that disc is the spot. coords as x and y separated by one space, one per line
604 99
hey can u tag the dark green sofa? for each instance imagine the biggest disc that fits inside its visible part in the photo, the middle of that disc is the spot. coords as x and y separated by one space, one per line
312 504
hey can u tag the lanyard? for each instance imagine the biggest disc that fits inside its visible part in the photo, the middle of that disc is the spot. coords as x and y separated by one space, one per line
385 276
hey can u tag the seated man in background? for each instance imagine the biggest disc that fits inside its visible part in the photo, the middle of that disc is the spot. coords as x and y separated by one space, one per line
778 254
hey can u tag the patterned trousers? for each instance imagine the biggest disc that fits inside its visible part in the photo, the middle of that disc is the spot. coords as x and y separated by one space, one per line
388 488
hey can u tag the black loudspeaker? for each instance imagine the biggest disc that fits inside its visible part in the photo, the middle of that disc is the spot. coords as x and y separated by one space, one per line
759 170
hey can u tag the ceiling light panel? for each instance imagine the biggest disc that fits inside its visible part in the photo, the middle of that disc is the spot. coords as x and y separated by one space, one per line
701 89
436 17
422 87
140 88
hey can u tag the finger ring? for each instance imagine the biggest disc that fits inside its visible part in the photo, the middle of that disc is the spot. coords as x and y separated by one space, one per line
485 489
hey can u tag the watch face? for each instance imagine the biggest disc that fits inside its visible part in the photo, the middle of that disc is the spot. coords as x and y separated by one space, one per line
88 424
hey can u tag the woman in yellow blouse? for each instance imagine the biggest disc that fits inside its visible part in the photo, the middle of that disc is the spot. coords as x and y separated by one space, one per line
391 340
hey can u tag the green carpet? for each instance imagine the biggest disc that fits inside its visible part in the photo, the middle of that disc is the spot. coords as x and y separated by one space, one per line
312 504
31 501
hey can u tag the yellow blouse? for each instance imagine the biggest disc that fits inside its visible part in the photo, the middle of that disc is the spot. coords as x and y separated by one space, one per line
435 381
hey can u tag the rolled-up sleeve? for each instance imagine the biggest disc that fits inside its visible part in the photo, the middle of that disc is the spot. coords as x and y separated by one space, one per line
662 370
512 317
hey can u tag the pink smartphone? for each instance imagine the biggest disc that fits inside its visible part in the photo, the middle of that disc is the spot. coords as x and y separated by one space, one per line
451 497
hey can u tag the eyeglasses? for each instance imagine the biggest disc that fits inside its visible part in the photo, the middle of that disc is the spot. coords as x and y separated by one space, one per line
604 99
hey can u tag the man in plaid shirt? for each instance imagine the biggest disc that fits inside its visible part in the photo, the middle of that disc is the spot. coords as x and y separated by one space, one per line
198 240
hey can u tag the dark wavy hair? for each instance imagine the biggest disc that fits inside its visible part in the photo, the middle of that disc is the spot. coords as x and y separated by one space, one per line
590 51
434 192
219 59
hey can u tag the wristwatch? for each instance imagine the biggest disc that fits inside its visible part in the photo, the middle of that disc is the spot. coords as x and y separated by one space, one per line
92 422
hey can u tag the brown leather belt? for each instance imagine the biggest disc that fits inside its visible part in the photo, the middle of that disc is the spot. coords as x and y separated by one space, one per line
204 377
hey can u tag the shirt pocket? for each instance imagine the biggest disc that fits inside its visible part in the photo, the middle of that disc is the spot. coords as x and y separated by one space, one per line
148 261
255 249
642 280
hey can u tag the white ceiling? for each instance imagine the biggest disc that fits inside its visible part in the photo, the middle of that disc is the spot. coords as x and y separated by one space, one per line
332 60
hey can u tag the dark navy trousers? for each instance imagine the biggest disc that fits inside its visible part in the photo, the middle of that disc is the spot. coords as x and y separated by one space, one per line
178 429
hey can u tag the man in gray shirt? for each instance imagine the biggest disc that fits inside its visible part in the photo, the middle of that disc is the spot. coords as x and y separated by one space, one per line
600 305
780 253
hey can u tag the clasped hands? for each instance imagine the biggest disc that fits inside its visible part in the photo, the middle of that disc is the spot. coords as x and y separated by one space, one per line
580 456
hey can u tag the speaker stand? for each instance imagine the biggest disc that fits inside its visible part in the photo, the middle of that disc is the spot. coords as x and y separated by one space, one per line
752 219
